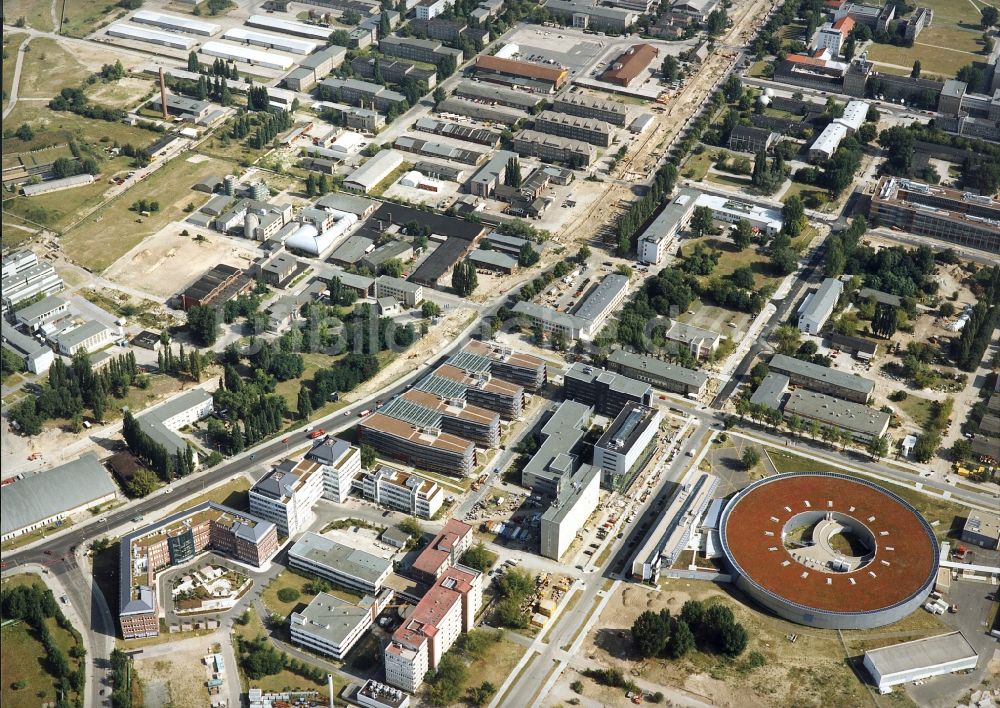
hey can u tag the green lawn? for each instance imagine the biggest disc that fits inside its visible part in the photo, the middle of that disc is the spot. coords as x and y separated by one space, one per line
48 68
291 579
933 508
916 408
37 13
730 258
696 166
814 197
84 17
232 494
952 37
110 232
933 60
949 12
729 180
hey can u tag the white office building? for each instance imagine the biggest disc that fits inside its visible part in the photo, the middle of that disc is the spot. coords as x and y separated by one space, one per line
818 306
342 565
332 626
285 496
36 356
576 501
623 443
340 462
88 337
733 210
405 492
410 294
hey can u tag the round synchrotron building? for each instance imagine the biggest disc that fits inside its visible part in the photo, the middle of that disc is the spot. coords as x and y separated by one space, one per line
829 550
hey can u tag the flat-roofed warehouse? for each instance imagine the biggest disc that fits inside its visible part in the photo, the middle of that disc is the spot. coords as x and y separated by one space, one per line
270 41
659 373
301 29
439 150
472 134
176 23
504 97
237 52
53 495
369 175
491 68
920 659
579 104
122 30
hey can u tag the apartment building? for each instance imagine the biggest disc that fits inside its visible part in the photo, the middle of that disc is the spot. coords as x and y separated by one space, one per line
175 540
591 130
445 551
661 374
286 495
410 294
342 565
945 214
578 104
552 148
446 610
331 625
608 393
622 445
702 343
429 9
823 379
430 51
428 448
557 458
402 491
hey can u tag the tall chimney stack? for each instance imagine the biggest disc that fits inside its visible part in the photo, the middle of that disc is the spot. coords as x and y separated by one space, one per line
163 94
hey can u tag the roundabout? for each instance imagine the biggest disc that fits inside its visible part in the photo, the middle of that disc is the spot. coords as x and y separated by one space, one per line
829 550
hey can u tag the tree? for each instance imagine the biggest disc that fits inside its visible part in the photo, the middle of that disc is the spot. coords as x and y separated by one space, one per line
701 220
384 28
878 447
430 309
143 482
288 594
732 638
743 235
915 71
203 324
898 143
192 64
512 175
793 214
304 403
716 22
787 338
463 278
650 633
527 256
850 47
990 16
885 321
367 456
583 254
479 557
681 640
750 457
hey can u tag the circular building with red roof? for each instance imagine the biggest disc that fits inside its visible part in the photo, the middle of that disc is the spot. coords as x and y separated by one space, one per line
829 550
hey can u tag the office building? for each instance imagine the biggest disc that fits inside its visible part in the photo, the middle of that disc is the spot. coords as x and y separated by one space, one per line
732 211
818 306
45 310
342 565
578 104
88 337
445 611
429 51
862 422
505 363
587 318
479 388
874 16
608 393
551 148
353 91
833 35
429 9
340 463
746 138
332 626
569 511
661 374
622 445
982 529
162 422
175 540
515 72
702 343
945 214
24 278
660 236
286 494
36 356
823 379
53 495
590 130
428 448
590 14
445 551
556 460
491 175
497 96
402 491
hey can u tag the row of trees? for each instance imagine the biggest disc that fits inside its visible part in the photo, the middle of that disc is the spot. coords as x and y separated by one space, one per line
642 209
75 100
270 125
166 464
968 349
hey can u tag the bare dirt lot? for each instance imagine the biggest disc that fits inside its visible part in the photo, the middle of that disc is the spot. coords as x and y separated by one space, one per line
166 262
815 670
175 679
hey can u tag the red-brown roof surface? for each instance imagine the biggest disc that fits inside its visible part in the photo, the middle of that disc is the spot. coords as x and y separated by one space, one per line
908 547
438 550
555 75
845 25
630 64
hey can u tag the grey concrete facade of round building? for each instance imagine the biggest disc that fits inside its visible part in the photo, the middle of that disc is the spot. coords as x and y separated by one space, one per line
912 594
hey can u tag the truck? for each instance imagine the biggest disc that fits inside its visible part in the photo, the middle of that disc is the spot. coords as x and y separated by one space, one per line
316 433
363 413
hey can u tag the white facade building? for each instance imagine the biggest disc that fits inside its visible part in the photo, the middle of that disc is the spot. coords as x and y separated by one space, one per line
576 501
89 337
341 463
732 211
286 495
818 307
410 294
921 659
402 491
342 565
332 626
621 445
429 9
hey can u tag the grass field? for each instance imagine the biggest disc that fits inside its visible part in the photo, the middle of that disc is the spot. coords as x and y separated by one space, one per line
952 37
933 60
59 127
729 180
939 512
36 13
814 197
949 12
916 408
290 579
85 16
113 230
232 494
731 258
23 657
48 68
125 93
697 165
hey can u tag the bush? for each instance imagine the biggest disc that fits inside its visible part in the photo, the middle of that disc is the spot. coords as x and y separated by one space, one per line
656 697
288 594
576 686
